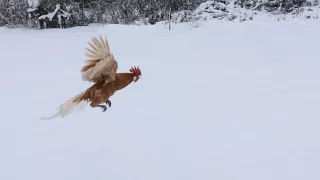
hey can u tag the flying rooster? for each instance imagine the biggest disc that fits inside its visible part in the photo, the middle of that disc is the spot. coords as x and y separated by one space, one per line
101 69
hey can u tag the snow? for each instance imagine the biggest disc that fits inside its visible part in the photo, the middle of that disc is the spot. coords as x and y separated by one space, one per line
52 14
33 3
30 10
227 101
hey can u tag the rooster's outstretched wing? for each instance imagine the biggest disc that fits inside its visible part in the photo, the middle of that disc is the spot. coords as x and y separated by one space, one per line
101 64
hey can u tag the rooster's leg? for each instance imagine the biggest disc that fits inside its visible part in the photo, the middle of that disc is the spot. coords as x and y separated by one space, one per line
103 107
108 102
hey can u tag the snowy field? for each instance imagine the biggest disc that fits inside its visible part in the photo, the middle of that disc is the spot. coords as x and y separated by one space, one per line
224 101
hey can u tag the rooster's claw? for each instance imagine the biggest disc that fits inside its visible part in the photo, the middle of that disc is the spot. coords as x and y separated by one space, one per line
108 103
103 107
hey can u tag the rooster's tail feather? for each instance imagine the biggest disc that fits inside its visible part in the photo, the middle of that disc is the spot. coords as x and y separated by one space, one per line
71 105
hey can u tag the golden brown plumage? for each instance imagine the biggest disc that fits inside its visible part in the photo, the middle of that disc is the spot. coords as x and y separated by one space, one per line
101 68
100 92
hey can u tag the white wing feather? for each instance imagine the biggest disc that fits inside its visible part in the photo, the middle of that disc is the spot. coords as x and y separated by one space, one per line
100 63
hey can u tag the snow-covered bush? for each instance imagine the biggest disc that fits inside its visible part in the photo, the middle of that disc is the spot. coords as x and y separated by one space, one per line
182 16
222 10
304 13
246 10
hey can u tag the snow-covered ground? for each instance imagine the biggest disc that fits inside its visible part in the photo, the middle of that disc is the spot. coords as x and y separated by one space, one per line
223 101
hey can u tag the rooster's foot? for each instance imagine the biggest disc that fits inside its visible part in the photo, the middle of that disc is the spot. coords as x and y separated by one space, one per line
103 107
108 103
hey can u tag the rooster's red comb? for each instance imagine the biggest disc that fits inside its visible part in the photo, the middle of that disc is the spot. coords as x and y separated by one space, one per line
135 70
